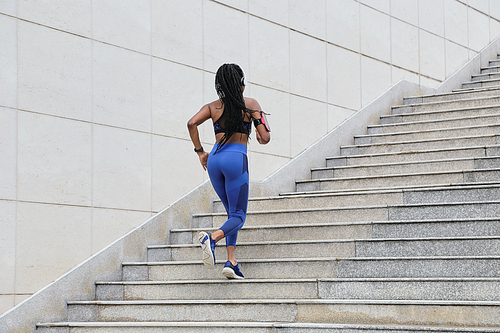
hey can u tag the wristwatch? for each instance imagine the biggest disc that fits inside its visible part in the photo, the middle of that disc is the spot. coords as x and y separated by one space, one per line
199 150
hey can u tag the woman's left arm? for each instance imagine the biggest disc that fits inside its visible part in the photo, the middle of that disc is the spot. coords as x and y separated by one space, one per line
263 136
193 123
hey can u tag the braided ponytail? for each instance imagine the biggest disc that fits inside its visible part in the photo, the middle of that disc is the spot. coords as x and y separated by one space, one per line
229 81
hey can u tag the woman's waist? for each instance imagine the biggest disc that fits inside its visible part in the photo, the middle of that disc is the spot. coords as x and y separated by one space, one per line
230 147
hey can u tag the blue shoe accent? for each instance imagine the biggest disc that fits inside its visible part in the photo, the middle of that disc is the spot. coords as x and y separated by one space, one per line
232 272
208 249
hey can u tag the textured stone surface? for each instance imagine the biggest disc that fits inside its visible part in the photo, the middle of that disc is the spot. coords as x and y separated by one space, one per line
252 269
480 246
420 267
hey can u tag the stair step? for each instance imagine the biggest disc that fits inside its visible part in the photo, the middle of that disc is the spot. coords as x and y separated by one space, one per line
405 167
455 95
317 268
402 179
454 210
447 105
438 115
419 267
481 84
297 216
290 268
418 145
357 214
451 289
413 156
454 289
451 193
425 247
435 124
348 199
426 312
490 69
427 134
284 232
480 77
376 229
208 289
343 248
251 327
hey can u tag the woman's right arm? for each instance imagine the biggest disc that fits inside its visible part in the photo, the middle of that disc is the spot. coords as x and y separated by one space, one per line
193 123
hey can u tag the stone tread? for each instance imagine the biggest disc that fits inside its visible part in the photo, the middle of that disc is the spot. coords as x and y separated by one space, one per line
404 132
415 155
445 102
278 326
417 142
403 164
438 113
465 223
396 175
392 188
454 93
434 121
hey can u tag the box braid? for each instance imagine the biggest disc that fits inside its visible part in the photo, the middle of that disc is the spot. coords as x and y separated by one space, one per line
229 81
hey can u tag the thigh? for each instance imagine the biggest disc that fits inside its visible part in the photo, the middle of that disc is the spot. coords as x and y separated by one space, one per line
217 179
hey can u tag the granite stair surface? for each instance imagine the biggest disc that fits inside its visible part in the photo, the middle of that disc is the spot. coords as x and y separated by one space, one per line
399 233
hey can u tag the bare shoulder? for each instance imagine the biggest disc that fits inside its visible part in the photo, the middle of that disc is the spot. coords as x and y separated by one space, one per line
252 104
215 108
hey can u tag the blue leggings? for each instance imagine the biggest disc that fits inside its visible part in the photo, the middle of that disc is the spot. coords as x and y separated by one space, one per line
228 171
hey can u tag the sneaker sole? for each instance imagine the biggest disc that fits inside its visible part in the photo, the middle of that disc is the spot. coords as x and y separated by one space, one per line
208 256
230 274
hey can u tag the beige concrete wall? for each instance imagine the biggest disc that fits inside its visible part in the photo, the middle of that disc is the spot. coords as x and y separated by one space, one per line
95 95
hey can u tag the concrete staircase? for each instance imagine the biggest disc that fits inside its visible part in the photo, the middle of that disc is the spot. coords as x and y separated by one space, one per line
401 233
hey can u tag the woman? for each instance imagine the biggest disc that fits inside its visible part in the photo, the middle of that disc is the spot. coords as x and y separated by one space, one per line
227 164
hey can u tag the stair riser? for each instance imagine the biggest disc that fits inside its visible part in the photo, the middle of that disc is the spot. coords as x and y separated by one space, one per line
420 145
406 290
284 234
455 195
362 199
394 169
437 229
447 105
184 312
271 251
432 116
401 314
251 270
459 211
420 268
179 329
301 217
491 70
485 77
427 135
435 125
301 312
359 231
485 84
197 291
451 97
379 182
428 248
376 290
413 156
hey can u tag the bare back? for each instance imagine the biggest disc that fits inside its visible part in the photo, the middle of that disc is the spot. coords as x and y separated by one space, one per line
216 110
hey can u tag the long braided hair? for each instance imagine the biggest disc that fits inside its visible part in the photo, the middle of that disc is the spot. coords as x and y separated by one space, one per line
229 81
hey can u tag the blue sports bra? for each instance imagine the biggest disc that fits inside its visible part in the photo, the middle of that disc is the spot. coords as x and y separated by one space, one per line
245 129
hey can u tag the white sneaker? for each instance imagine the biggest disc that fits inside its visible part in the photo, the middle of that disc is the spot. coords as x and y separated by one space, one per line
208 248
